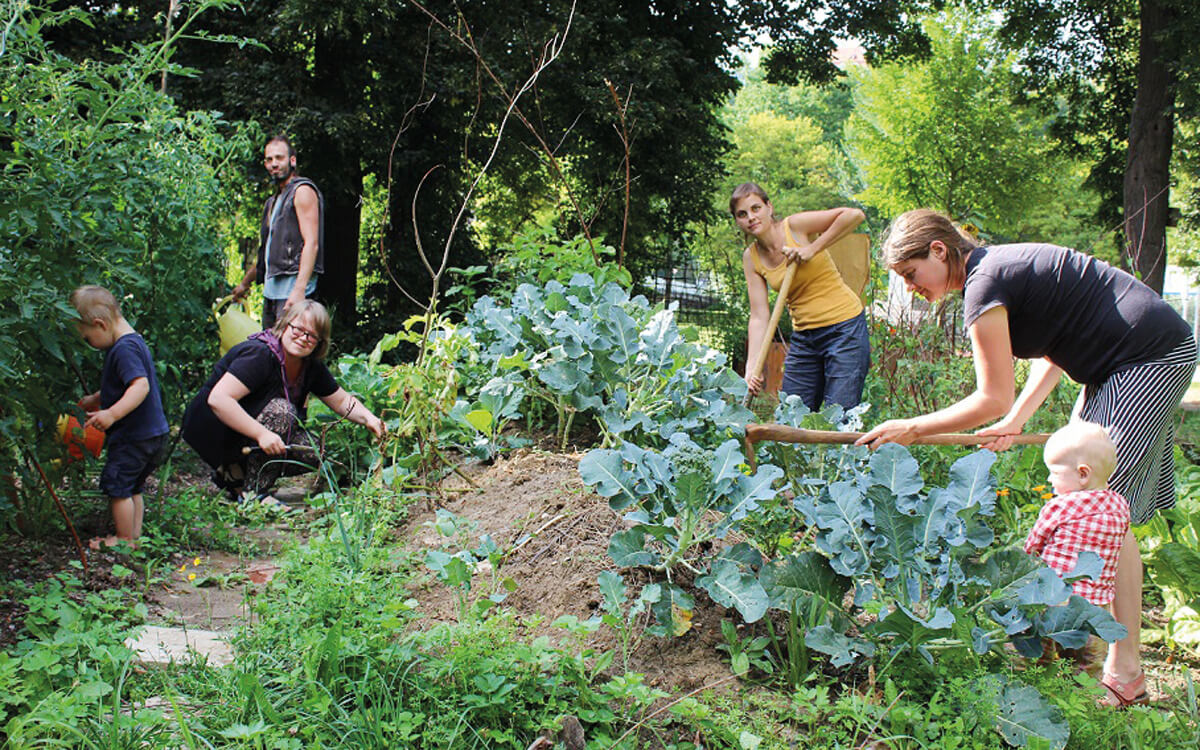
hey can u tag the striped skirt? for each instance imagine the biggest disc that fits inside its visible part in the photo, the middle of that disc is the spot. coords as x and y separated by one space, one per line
1137 406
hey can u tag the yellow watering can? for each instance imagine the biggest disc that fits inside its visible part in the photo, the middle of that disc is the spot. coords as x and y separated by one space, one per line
235 324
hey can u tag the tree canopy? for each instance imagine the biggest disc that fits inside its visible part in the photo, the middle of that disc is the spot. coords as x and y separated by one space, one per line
350 78
1120 76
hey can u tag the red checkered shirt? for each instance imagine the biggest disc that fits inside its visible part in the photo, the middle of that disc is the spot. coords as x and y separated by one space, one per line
1094 520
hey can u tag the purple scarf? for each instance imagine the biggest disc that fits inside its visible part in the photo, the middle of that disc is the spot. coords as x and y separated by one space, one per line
276 346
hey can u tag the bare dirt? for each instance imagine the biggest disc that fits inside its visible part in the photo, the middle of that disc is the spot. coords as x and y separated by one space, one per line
534 504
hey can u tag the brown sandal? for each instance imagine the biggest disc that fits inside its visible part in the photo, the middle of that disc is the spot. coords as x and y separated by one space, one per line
1125 694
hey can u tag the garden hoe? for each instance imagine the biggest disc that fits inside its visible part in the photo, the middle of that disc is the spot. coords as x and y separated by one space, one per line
755 366
757 433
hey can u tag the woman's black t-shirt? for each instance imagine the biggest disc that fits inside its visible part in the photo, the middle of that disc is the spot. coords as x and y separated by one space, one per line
254 364
1089 318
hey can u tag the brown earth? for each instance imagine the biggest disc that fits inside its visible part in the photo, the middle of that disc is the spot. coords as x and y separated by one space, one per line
535 505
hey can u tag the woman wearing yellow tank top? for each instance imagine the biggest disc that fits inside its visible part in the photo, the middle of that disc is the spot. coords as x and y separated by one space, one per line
829 350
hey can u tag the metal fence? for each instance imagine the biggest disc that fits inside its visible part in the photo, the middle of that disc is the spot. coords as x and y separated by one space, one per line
1187 304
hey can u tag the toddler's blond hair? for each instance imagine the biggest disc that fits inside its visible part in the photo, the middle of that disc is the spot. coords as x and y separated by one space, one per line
1082 442
92 302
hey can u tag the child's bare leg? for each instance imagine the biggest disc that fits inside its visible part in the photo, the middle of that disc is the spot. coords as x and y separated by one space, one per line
1123 661
126 517
139 510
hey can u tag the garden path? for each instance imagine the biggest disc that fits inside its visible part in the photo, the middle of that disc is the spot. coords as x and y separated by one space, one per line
199 604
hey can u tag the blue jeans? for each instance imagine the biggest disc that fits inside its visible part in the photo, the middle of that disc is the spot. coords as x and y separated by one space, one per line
828 364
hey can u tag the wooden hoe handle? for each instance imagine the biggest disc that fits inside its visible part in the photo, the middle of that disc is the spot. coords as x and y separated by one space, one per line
754 367
756 433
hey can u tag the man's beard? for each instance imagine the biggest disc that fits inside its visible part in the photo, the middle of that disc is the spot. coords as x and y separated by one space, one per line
281 178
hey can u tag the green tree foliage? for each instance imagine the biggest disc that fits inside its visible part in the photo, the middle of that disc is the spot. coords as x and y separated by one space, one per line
350 78
945 132
106 182
1123 80
787 155
828 105
1119 76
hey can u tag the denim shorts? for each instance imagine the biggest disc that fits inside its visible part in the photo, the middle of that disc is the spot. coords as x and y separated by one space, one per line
129 463
828 364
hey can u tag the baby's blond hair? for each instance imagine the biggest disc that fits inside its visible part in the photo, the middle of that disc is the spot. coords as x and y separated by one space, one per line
1082 442
92 302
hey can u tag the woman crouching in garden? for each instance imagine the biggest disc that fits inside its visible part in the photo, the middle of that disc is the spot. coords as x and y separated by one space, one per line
256 398
1072 313
829 351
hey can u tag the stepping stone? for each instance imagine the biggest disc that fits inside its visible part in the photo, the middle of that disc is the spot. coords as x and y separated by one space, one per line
159 645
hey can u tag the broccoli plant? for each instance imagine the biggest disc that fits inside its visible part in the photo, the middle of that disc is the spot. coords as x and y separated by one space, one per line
680 501
584 348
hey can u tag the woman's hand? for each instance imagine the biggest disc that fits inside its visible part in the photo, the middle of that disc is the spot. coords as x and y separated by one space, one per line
376 426
798 253
271 444
899 431
754 384
1003 431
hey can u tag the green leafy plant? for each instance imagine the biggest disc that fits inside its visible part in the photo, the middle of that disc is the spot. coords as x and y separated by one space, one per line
683 499
621 613
537 255
581 348
1173 539
745 652
456 565
497 404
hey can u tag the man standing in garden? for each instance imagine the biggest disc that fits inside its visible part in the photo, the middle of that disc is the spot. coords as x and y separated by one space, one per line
291 250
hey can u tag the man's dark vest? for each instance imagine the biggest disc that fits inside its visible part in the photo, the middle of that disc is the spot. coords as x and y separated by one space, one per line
286 241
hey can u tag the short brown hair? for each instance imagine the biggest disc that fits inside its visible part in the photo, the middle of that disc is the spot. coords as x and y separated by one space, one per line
95 302
741 191
911 234
281 138
320 320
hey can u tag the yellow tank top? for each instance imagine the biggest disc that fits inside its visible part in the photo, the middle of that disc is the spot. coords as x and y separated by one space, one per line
818 297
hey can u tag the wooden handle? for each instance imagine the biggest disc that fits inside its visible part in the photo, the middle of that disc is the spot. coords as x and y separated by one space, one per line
756 433
248 449
754 367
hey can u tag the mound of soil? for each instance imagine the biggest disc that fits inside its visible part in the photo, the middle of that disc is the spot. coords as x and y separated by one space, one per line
556 531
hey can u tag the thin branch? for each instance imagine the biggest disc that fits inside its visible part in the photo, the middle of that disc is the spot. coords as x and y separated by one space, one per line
406 122
172 9
62 510
623 134
550 51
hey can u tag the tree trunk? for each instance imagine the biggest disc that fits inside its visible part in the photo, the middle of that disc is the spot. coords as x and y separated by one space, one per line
1147 167
339 283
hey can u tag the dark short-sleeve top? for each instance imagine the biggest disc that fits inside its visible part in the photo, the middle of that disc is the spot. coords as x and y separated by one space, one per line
1089 318
254 364
126 361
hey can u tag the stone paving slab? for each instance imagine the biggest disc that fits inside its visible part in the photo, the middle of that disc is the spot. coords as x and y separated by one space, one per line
162 645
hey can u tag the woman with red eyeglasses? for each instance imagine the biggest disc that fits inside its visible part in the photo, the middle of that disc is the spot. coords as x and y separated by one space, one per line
256 398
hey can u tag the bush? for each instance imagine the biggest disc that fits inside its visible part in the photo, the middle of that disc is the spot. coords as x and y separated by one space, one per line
107 183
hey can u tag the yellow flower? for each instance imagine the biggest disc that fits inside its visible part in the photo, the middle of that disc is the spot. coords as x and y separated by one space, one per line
1002 492
183 568
1039 488
196 562
191 576
1047 495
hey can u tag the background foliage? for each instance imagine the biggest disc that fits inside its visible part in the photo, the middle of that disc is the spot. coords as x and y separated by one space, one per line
106 182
